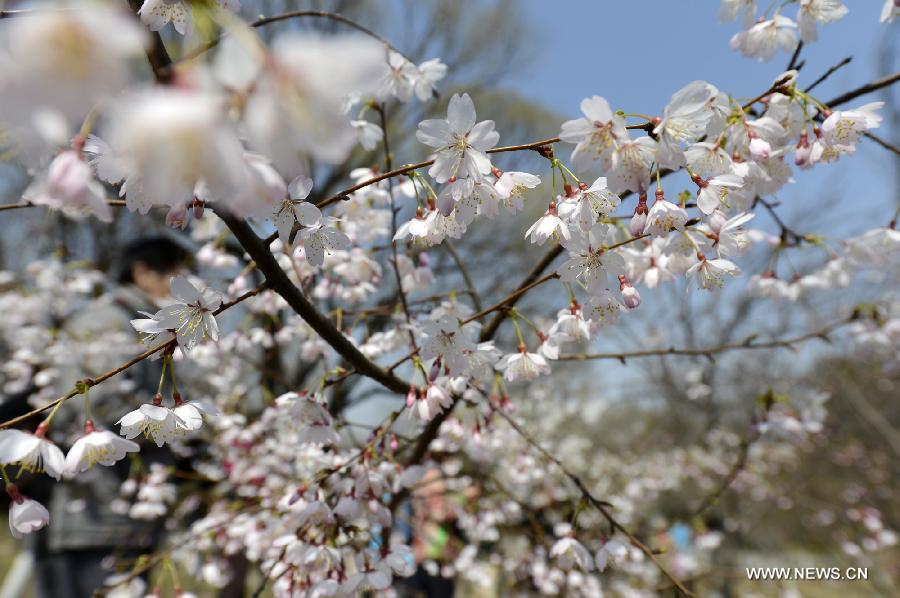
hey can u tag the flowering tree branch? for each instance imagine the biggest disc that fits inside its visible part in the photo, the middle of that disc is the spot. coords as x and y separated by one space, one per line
281 284
95 380
748 343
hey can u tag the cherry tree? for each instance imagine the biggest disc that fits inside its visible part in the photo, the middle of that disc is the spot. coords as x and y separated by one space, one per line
305 299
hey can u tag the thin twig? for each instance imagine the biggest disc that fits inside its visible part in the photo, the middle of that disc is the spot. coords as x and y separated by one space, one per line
882 142
600 505
875 85
91 382
828 73
709 351
794 57
464 272
296 14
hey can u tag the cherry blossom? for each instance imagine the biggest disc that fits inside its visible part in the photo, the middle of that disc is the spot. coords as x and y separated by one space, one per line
191 316
549 226
96 446
523 366
731 239
159 13
889 11
369 134
664 216
708 273
844 128
153 421
25 515
631 160
712 194
31 452
459 141
603 308
403 78
58 66
611 551
684 121
589 261
69 186
166 142
761 40
595 135
813 12
296 107
313 487
570 553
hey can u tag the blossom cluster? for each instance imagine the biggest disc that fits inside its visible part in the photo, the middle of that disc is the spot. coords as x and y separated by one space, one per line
230 142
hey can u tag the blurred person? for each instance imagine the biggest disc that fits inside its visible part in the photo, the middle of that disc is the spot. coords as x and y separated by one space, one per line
91 525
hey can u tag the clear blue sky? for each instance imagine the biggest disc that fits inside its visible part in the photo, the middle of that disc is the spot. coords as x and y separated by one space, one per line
636 53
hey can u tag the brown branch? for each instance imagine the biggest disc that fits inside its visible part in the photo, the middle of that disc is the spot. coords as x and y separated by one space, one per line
464 272
882 142
281 284
295 14
117 203
395 264
740 463
600 505
709 351
875 85
828 73
91 382
792 63
157 56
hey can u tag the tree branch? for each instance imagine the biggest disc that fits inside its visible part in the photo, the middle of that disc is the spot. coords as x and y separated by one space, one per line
92 382
280 283
709 351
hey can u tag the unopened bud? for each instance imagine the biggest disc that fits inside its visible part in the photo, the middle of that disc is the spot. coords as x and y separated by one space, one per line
630 295
435 370
639 219
177 217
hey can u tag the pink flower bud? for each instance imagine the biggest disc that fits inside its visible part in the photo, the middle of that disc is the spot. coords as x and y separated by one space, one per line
411 396
639 219
435 370
630 297
760 149
68 177
177 217
717 219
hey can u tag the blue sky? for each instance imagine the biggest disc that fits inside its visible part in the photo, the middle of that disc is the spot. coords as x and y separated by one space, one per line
636 53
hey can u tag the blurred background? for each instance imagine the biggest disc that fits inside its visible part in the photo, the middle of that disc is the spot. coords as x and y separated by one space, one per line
528 64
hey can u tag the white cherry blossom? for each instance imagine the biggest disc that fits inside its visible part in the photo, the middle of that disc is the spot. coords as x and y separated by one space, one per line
460 141
761 40
153 421
708 274
595 135
26 515
156 14
191 316
31 452
549 226
523 366
813 12
96 446
664 216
